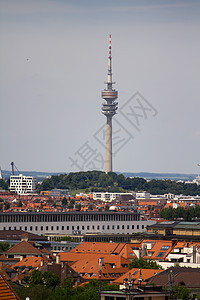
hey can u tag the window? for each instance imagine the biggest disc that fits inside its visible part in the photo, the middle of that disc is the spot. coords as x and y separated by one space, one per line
103 227
160 254
117 226
122 226
4 228
72 227
77 227
41 228
63 227
108 227
98 227
31 228
142 226
10 228
92 227
88 227
165 248
57 227
47 227
113 227
83 227
132 226
15 228
36 228
127 226
67 227
51 227
138 227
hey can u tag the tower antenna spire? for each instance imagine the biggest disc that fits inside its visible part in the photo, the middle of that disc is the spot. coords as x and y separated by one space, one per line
109 83
109 110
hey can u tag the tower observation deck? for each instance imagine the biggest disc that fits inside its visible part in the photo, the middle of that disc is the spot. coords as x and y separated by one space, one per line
109 110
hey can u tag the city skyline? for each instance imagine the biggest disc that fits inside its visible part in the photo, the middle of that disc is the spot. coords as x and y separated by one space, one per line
52 71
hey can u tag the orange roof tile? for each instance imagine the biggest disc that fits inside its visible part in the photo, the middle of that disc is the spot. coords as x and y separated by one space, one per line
6 291
136 274
157 249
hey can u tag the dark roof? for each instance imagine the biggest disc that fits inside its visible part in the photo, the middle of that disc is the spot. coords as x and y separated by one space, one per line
189 277
18 234
167 224
69 213
188 225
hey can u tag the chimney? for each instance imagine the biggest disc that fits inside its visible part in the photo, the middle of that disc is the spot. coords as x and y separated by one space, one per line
57 259
24 237
21 257
41 263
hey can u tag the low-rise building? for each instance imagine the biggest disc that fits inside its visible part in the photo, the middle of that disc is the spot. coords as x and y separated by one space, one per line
108 197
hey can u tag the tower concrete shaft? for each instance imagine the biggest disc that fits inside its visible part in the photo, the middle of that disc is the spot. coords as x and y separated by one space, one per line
109 110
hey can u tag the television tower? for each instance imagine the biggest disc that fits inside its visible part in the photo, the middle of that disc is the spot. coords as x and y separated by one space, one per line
109 110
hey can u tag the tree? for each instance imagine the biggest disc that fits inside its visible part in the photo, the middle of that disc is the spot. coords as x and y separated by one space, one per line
50 279
47 279
4 185
64 292
142 263
37 292
181 292
20 204
71 204
64 201
36 277
78 207
7 206
106 207
4 246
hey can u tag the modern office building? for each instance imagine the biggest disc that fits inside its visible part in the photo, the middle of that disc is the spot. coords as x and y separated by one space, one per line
22 185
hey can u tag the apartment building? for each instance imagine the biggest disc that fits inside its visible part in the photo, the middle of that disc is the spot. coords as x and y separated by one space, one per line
22 185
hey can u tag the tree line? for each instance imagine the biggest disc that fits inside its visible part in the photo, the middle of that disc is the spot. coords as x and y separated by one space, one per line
99 181
48 286
190 214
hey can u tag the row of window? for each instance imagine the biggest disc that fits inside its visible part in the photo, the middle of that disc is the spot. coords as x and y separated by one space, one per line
92 227
63 248
68 217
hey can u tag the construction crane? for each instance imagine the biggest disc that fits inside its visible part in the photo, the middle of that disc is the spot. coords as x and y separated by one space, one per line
13 165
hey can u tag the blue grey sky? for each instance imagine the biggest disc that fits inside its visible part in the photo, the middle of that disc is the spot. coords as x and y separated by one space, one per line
53 57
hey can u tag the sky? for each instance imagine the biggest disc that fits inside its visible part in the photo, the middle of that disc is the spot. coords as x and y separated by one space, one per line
54 60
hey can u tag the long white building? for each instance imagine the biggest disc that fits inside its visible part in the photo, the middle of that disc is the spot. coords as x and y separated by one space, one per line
22 185
105 222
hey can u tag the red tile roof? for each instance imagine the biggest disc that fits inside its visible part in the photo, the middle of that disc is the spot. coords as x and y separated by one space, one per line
136 274
6 291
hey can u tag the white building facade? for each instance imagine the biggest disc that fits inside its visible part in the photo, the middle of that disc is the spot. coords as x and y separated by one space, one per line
108 197
22 185
106 222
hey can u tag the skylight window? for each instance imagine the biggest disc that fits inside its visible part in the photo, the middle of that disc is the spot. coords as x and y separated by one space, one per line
160 254
165 248
135 272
